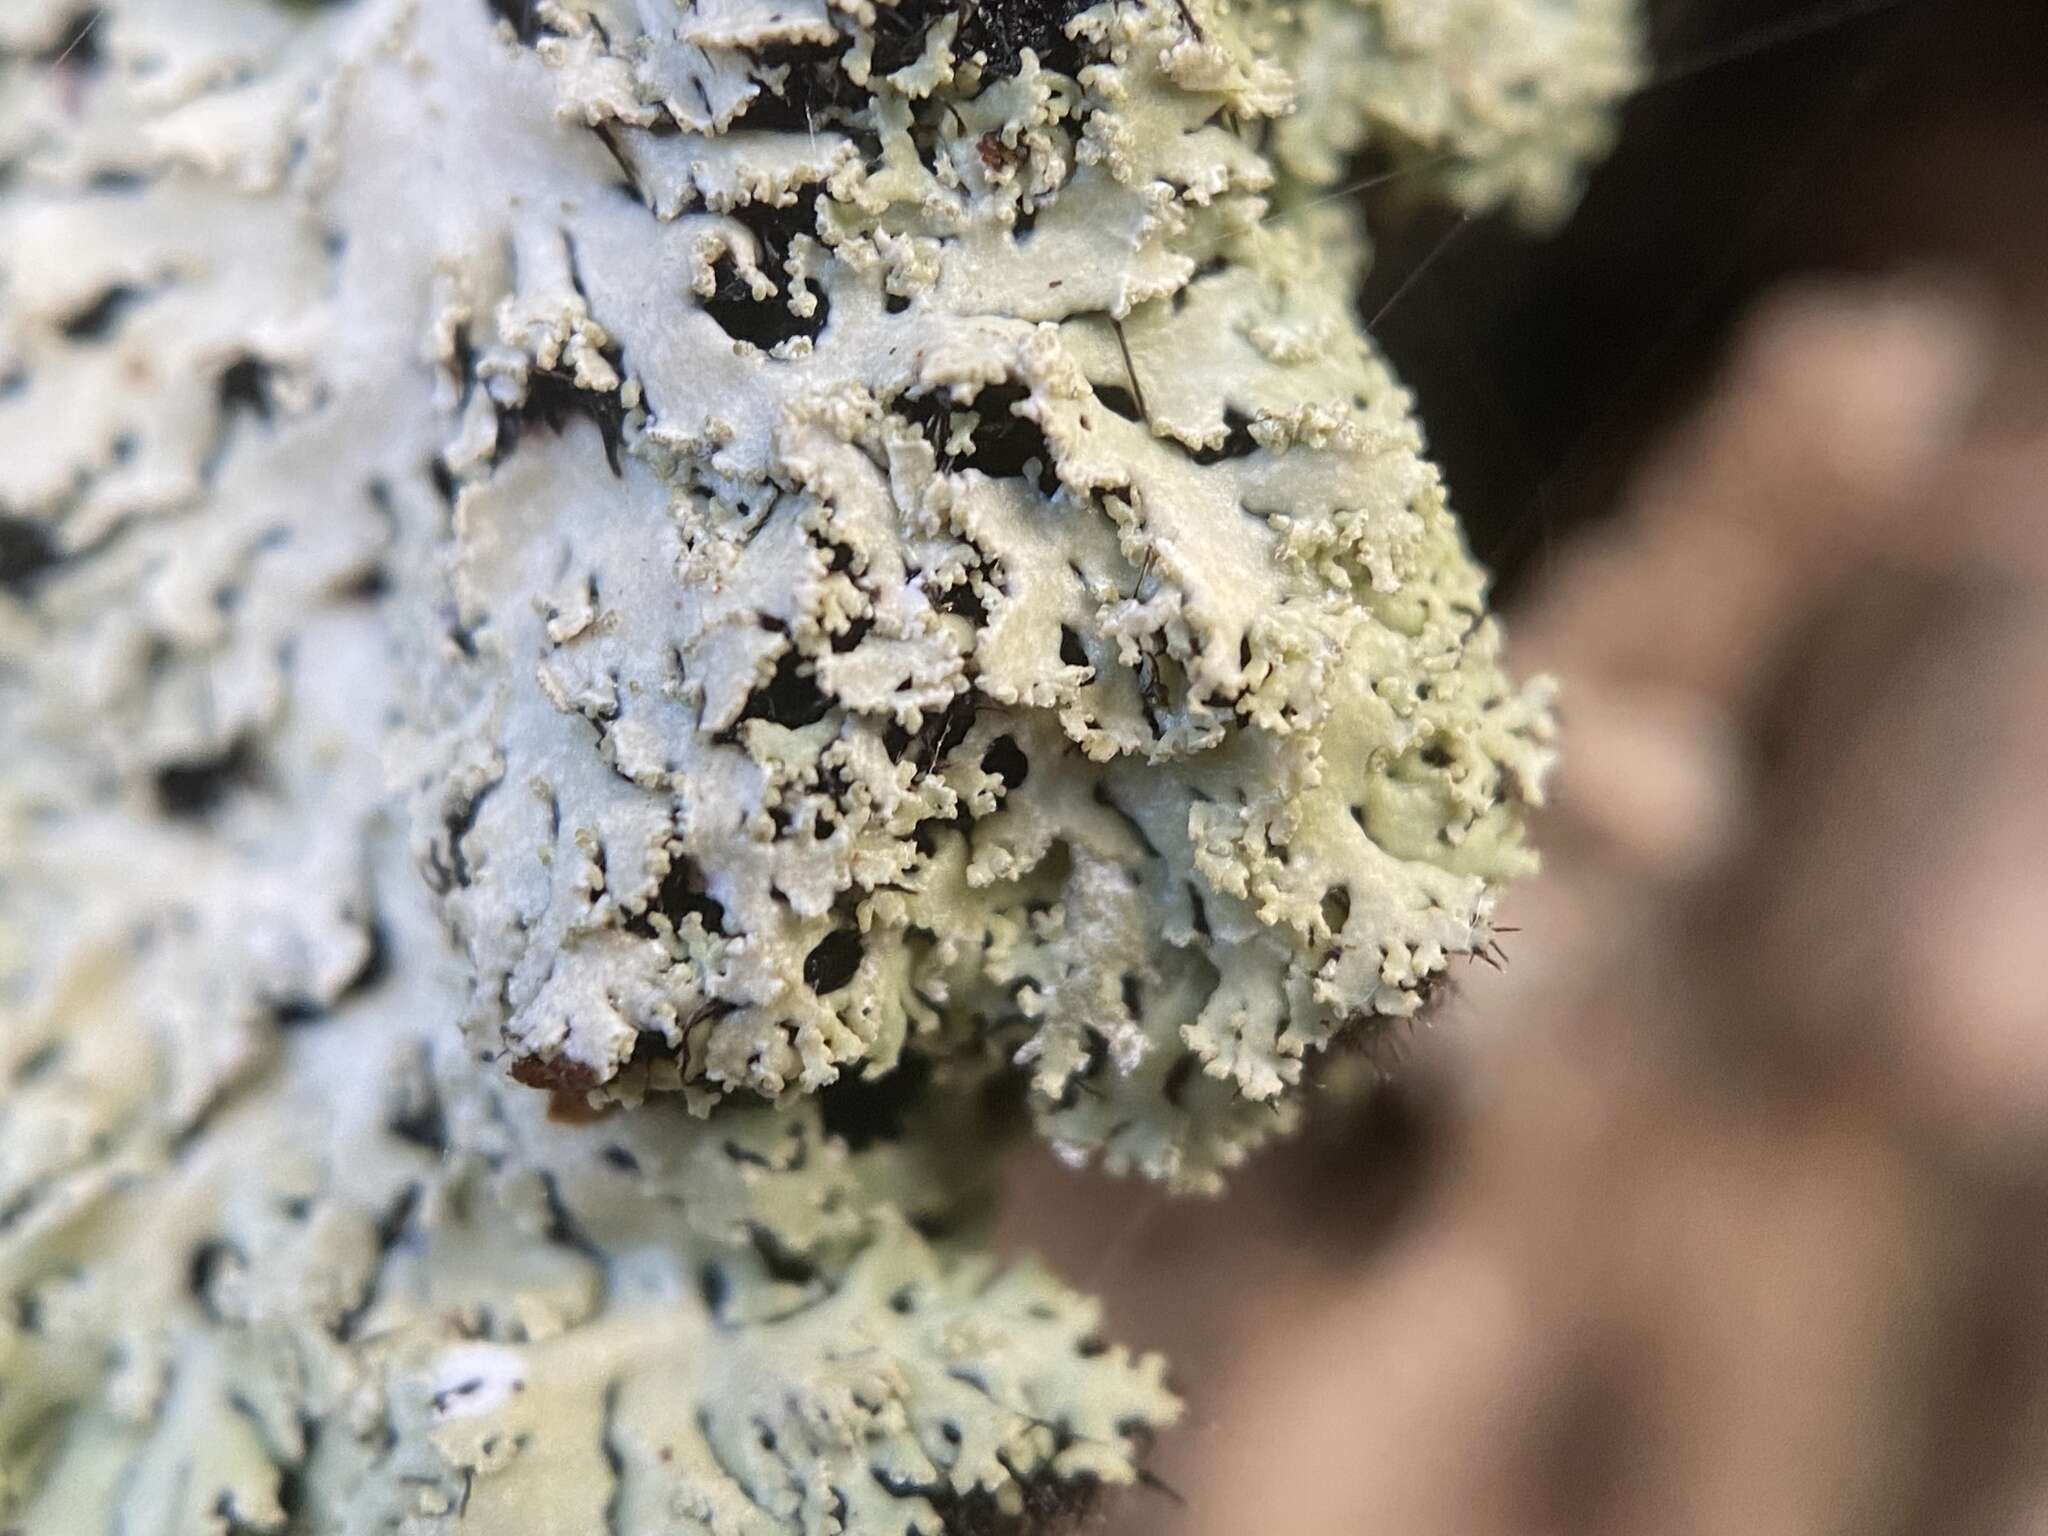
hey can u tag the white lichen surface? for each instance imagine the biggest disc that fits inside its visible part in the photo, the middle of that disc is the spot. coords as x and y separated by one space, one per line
1008 612
781 572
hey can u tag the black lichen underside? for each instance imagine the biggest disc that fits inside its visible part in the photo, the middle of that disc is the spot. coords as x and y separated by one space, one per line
247 385
1003 445
195 788
521 15
863 1110
682 892
791 697
833 960
1050 1506
1003 29
769 321
551 400
26 552
999 31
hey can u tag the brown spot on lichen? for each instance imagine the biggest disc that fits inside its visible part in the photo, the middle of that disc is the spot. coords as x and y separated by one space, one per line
995 154
573 1107
559 1075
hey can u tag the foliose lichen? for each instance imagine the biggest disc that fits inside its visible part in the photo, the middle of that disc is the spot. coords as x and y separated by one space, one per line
1022 626
830 580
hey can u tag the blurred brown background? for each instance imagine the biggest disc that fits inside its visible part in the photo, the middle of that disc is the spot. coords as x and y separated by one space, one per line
1723 1206
1776 138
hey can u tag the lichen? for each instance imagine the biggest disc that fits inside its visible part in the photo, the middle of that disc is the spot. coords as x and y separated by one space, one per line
620 626
1024 625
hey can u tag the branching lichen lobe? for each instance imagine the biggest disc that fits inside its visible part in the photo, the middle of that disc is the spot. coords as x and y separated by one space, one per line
930 527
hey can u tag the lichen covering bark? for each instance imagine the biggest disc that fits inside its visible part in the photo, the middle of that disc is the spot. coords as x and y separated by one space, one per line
790 575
